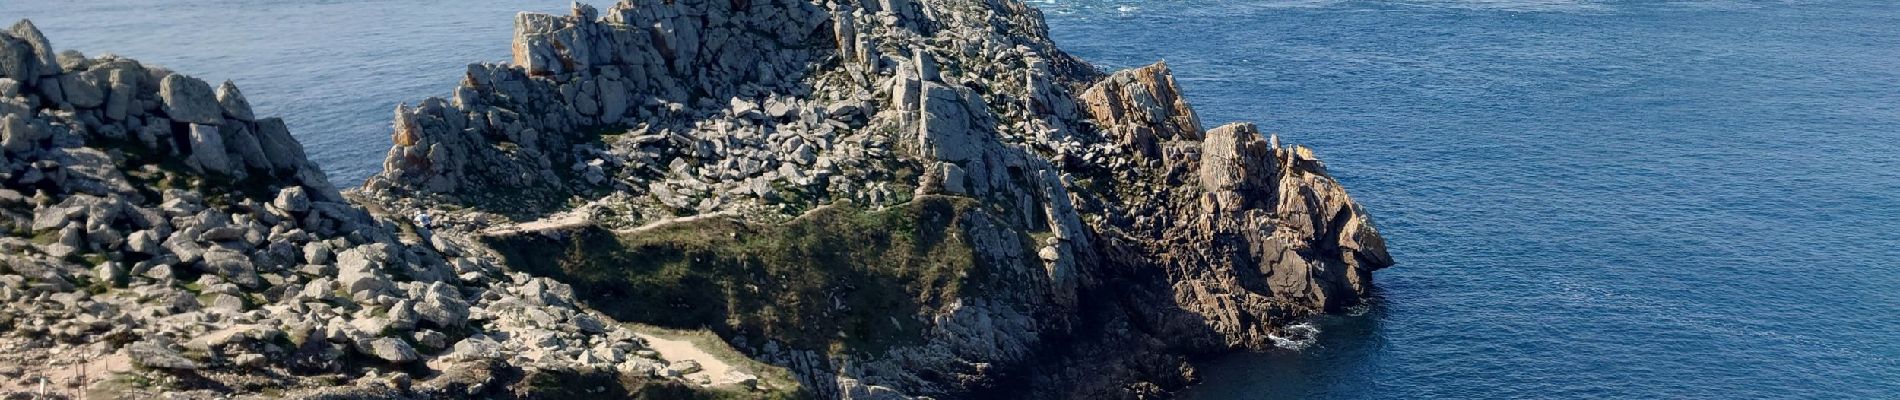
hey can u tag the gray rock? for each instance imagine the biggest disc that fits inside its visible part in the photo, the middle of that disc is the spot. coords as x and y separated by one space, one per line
475 348
185 248
208 150
402 316
221 234
945 125
432 340
284 152
120 101
682 367
17 60
188 99
358 273
227 303
234 103
442 305
293 200
250 360
232 266
158 355
85 89
240 143
162 272
613 100
73 60
47 61
16 136
389 349
143 242
588 324
317 253
111 273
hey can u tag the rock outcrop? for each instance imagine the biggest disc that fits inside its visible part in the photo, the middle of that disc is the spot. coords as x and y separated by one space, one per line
882 199
1118 235
155 228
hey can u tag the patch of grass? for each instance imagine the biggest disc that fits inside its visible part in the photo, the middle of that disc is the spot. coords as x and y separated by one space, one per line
46 237
839 278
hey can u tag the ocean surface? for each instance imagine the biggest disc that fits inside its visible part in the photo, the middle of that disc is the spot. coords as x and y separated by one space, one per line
1587 199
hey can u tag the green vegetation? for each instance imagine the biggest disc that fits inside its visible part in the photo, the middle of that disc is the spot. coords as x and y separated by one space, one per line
840 278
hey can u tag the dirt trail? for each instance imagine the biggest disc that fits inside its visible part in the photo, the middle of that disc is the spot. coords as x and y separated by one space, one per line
711 367
557 221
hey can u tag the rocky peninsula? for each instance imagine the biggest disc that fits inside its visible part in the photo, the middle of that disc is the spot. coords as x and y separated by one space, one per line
682 199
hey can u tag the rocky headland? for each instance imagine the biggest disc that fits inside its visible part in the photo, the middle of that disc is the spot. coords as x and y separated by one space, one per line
684 199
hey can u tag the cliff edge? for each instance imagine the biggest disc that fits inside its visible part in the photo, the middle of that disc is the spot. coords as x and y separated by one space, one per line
862 199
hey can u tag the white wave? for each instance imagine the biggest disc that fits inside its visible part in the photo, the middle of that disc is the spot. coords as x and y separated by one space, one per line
1296 337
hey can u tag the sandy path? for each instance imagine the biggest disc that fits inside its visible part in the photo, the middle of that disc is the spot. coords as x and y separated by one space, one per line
680 350
557 221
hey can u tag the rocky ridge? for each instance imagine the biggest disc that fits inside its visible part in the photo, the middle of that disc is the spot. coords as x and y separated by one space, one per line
1116 219
1020 224
159 233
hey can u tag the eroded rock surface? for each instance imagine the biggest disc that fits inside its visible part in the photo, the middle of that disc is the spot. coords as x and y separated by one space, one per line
155 231
1129 235
885 199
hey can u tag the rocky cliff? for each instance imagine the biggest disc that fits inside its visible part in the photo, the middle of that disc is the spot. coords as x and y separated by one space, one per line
887 198
159 237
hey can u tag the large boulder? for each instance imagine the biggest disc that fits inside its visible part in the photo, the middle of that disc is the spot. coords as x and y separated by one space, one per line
234 103
233 266
442 305
239 142
16 135
188 99
25 55
285 154
17 60
388 349
124 83
47 61
292 200
944 127
86 89
208 150
157 354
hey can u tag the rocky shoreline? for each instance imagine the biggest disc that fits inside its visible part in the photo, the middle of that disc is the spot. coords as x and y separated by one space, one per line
861 199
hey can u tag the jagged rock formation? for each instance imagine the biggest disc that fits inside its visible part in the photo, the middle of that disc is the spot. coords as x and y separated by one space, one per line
887 199
153 228
1122 235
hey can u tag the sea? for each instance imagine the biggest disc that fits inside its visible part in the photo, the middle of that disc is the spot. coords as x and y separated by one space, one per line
1587 199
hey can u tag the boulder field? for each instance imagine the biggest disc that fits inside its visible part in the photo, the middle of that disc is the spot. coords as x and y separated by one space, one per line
844 199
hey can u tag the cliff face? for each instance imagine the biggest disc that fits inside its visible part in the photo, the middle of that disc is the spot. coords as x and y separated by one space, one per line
1128 237
158 237
885 198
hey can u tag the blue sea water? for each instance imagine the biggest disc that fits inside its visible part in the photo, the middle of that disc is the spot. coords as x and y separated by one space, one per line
1588 199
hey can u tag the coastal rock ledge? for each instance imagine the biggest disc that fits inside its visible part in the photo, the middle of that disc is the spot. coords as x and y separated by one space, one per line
683 199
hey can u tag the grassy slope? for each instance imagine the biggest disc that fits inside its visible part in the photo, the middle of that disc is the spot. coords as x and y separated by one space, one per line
841 278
